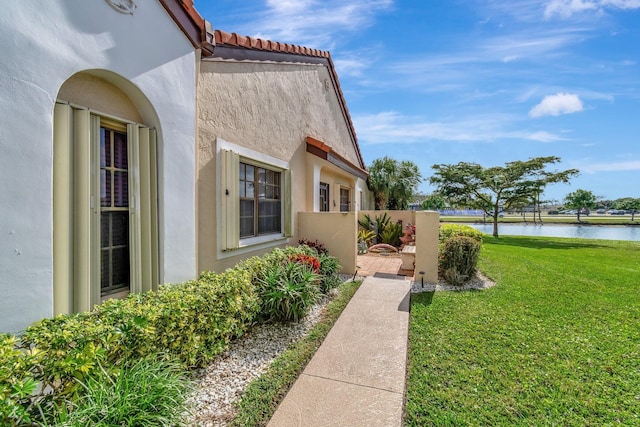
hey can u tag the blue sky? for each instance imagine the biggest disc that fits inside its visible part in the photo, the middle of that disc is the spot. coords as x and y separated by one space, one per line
485 81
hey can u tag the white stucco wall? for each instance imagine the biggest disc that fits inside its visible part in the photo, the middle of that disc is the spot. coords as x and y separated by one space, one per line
43 43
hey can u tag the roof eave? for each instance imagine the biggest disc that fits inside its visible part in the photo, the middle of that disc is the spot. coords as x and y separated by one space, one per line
192 24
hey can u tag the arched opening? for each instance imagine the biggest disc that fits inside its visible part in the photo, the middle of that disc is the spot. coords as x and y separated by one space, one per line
105 198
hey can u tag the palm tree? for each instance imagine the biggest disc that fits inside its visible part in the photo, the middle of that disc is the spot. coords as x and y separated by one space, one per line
393 183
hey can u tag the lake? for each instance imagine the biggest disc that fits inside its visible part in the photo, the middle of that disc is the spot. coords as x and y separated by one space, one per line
573 231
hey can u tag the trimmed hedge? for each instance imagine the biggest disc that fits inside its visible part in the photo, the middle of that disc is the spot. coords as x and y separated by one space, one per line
190 323
450 230
458 259
458 252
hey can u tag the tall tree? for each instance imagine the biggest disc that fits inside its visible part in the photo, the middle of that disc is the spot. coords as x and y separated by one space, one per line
498 187
393 183
579 200
434 202
628 204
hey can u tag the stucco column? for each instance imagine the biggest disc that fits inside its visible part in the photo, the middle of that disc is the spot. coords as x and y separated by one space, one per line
427 232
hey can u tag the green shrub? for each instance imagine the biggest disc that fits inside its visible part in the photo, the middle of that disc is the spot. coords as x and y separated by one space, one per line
43 371
319 247
288 291
18 369
146 392
191 322
391 234
458 259
378 224
329 272
450 230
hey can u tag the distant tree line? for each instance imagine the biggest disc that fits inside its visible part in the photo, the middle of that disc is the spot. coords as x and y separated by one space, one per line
517 185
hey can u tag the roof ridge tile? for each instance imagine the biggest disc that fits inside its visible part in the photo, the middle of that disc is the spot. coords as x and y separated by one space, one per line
235 39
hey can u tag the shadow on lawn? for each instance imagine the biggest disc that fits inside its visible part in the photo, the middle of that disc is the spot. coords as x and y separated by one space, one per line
422 298
544 242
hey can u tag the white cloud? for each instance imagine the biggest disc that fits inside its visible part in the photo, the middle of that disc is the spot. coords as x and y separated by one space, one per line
544 136
566 8
350 67
631 165
392 127
555 105
314 23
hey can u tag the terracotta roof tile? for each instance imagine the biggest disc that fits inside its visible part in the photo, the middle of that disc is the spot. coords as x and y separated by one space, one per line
233 39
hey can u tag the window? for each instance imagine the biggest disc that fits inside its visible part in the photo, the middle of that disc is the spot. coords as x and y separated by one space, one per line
254 199
114 212
105 233
344 200
260 201
324 197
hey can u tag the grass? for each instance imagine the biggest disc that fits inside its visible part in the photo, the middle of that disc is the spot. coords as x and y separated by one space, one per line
556 342
264 394
146 392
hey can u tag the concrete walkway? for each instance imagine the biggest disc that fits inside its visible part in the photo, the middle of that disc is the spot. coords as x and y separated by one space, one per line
357 376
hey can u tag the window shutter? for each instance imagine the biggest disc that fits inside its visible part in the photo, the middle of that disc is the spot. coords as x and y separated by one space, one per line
147 209
62 209
288 204
230 200
86 265
153 195
135 207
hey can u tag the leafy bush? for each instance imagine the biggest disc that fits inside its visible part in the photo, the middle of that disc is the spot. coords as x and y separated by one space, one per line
392 233
458 259
146 392
288 291
309 260
319 247
378 224
366 236
450 230
18 369
329 272
51 365
191 322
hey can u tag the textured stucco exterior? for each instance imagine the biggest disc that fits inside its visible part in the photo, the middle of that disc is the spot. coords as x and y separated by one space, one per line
269 108
427 232
270 105
149 59
337 231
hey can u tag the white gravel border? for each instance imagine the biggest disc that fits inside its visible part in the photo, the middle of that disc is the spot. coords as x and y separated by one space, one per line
477 282
224 381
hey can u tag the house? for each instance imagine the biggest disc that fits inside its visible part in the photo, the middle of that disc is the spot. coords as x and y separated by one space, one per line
139 147
274 138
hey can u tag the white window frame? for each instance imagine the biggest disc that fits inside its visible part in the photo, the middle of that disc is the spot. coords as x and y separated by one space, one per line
229 181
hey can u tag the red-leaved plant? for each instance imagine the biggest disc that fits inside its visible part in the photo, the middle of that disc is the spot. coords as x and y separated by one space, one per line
309 260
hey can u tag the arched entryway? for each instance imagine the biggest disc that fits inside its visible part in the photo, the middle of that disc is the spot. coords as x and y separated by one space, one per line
105 209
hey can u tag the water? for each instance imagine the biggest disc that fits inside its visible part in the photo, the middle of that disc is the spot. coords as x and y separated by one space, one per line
573 231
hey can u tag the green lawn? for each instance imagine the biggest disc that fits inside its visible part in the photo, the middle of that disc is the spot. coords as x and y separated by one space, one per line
556 342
